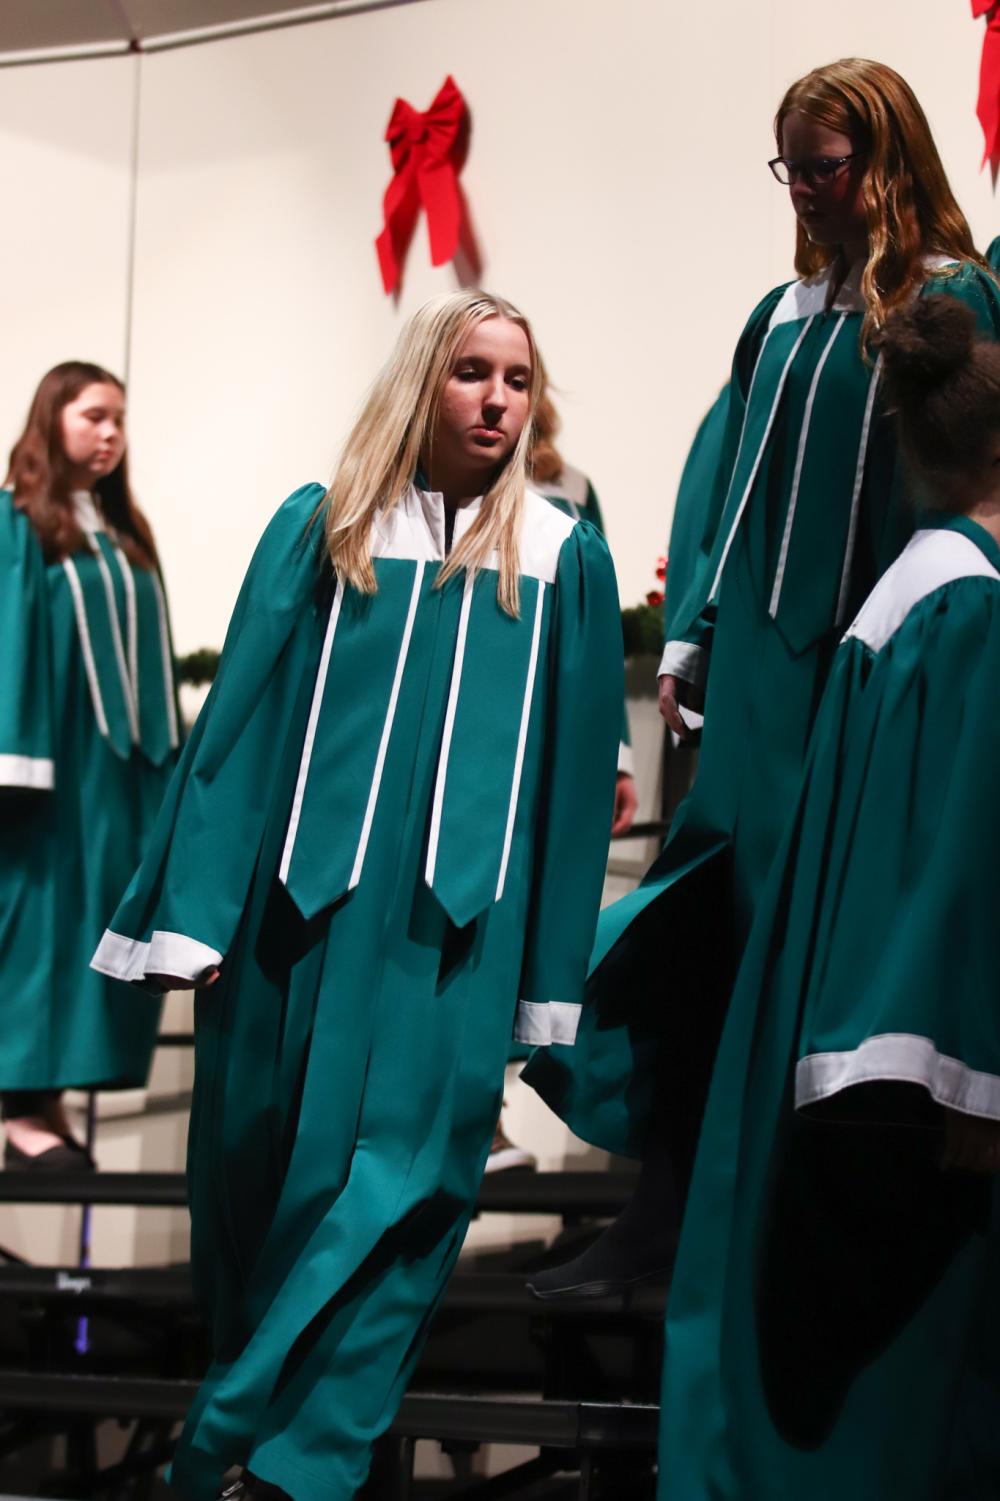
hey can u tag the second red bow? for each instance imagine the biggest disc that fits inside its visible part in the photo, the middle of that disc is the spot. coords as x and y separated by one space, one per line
427 151
989 82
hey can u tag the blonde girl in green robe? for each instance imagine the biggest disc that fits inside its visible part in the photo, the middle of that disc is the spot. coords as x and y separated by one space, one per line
88 736
383 855
804 515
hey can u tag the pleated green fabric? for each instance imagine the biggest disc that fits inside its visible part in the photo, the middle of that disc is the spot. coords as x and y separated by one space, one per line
833 1322
350 1059
88 736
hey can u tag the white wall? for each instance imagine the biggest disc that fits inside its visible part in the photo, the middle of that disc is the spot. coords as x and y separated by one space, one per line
65 142
618 187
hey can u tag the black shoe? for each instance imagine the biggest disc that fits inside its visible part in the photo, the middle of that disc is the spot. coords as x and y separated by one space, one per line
68 1157
612 1264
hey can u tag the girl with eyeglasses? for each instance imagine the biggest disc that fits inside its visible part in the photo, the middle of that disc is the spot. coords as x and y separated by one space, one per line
382 855
834 1327
806 512
88 737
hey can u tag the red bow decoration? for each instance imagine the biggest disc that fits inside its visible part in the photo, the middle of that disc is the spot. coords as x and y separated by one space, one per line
988 108
427 152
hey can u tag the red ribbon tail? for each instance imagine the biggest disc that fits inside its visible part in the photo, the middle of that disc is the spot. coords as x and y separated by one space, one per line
401 206
443 205
988 107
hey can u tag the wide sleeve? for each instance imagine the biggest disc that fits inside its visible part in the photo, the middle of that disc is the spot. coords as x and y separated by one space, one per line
577 791
975 287
701 502
182 908
27 758
895 858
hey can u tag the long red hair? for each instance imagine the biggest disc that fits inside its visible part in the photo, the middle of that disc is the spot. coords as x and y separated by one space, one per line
39 473
910 207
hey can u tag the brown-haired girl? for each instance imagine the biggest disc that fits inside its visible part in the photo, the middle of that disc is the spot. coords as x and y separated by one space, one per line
832 1327
88 734
806 516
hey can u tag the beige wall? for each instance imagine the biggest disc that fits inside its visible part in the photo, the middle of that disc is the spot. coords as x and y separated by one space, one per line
65 144
618 187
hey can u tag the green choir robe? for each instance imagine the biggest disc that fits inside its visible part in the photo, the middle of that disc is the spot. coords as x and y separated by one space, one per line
993 255
698 479
833 1328
572 493
88 735
806 513
389 828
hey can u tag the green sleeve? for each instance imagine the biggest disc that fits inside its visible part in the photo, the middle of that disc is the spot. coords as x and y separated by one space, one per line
976 288
187 897
697 489
592 513
592 509
578 774
993 254
876 936
26 708
904 938
691 617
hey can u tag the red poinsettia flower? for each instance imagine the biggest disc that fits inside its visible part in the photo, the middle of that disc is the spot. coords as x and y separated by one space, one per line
655 598
661 569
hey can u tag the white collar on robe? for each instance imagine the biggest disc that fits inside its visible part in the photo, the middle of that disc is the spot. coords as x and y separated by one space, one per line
805 299
414 529
86 512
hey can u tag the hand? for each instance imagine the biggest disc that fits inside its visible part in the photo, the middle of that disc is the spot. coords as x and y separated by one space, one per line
673 692
626 803
164 983
971 1143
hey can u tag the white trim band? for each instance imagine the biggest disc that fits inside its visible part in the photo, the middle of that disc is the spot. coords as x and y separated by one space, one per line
131 960
449 726
544 1023
752 480
86 645
307 744
682 660
390 714
522 736
131 708
800 458
859 474
166 658
37 773
900 1057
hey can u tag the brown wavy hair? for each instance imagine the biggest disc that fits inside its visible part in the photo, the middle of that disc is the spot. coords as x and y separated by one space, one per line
910 207
943 384
39 473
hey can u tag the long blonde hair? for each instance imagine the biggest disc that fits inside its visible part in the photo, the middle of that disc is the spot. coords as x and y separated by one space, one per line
396 426
910 207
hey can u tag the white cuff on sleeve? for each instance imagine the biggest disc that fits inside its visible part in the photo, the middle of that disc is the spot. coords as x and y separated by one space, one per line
131 960
36 773
542 1023
626 760
682 660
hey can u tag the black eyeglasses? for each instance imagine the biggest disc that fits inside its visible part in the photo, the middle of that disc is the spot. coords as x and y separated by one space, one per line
813 170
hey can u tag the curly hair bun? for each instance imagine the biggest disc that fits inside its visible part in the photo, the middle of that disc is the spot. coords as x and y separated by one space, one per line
926 342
